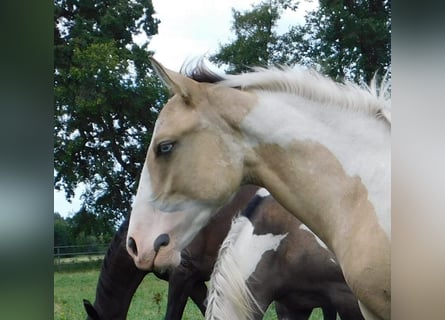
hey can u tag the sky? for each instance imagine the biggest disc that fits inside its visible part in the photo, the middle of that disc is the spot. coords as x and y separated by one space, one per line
191 29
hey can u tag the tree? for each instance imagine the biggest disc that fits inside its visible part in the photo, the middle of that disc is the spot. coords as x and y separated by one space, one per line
256 42
345 39
89 228
106 100
348 39
62 233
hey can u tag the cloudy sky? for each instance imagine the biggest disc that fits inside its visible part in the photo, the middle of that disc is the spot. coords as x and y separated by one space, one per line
191 29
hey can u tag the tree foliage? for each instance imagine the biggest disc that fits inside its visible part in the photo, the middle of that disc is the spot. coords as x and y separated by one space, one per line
106 100
256 41
62 232
347 39
84 228
350 38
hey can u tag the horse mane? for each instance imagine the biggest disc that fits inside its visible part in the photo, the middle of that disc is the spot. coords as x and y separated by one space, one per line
229 297
372 99
198 71
253 204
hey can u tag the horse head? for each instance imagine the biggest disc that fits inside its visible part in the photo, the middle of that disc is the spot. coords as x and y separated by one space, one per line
191 170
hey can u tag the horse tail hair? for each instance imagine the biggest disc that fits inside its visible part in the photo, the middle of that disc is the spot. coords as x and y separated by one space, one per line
229 297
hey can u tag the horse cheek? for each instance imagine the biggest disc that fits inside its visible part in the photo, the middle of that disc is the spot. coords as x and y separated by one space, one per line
227 175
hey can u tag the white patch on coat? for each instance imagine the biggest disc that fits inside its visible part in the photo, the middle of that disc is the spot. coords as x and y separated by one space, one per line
262 192
300 104
229 297
249 247
354 138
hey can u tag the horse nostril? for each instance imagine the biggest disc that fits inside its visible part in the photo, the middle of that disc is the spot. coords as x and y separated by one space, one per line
132 245
162 240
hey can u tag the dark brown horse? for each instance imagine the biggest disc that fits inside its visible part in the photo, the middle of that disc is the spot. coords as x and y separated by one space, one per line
269 255
119 278
117 283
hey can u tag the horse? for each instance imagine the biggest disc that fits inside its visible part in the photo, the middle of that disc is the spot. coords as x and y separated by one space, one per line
119 278
269 255
320 147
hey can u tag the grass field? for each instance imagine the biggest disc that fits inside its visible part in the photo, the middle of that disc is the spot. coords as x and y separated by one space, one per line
149 301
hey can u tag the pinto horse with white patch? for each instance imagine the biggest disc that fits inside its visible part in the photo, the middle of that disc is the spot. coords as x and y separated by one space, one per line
119 278
269 255
321 148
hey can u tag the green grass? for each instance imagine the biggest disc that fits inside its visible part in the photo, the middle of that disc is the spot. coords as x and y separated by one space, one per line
149 302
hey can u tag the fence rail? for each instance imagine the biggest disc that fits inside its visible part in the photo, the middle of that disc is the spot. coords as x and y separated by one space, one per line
73 254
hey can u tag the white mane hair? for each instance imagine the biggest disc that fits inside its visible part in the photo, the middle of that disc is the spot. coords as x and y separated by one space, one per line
229 297
310 84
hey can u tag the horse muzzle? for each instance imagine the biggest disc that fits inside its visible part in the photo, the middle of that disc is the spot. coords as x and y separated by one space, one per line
159 256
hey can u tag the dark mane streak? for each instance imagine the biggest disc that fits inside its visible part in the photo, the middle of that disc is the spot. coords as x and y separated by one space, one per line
200 73
251 207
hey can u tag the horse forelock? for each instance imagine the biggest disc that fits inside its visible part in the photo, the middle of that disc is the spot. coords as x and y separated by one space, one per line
198 71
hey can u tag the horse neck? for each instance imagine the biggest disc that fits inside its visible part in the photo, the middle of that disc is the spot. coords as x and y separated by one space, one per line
322 164
119 278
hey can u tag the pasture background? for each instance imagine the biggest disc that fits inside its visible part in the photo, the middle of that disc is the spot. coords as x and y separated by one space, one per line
149 302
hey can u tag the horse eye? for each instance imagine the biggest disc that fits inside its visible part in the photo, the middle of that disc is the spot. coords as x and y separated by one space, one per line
165 148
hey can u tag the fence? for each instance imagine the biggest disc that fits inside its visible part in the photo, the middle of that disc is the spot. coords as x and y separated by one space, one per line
79 253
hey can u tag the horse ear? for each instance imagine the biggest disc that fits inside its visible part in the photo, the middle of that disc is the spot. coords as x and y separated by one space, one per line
175 82
91 311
